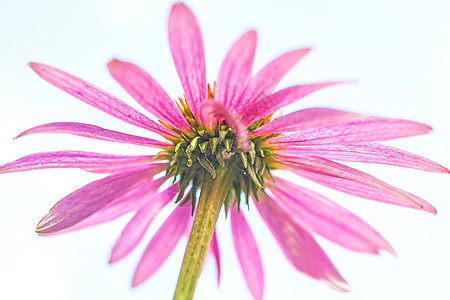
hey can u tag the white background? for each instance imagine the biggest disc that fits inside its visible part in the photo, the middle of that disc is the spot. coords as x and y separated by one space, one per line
398 51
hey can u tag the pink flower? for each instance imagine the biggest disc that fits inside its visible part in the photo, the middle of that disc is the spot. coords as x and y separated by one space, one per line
229 126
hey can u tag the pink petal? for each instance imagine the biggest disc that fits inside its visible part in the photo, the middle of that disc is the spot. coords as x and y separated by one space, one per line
354 131
95 132
214 247
147 92
248 254
267 103
210 109
326 218
72 159
367 153
98 98
136 228
162 244
299 246
85 201
352 181
264 82
304 119
186 45
236 70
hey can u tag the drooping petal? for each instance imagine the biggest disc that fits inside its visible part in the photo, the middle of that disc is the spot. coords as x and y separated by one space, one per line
352 181
267 104
367 153
87 200
98 98
209 110
186 45
72 159
265 81
299 246
326 218
304 119
367 129
95 132
214 248
248 254
147 92
162 244
236 69
136 228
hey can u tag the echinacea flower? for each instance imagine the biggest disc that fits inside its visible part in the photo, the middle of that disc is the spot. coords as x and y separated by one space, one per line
224 147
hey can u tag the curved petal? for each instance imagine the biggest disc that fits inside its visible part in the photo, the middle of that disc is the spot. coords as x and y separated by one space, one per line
214 246
354 131
267 104
265 81
299 246
326 218
71 159
87 200
147 92
97 98
304 119
94 132
210 109
136 228
248 254
162 244
352 181
367 153
236 69
186 45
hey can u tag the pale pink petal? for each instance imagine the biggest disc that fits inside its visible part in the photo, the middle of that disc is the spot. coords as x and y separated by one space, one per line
147 92
352 181
326 218
98 98
151 166
367 153
162 244
367 129
72 159
95 132
304 119
136 228
209 110
299 246
267 104
265 81
85 201
248 254
186 45
214 248
236 70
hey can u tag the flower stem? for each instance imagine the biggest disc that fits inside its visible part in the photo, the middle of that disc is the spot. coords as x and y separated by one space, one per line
213 194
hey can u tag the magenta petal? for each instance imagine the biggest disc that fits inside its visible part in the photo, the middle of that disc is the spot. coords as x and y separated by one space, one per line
304 119
162 244
248 254
98 98
236 70
85 201
266 103
136 228
209 110
214 247
72 159
95 132
366 129
147 92
352 181
299 246
186 45
367 153
327 218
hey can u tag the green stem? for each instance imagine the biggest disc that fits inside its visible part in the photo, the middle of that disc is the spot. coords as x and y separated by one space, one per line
213 194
